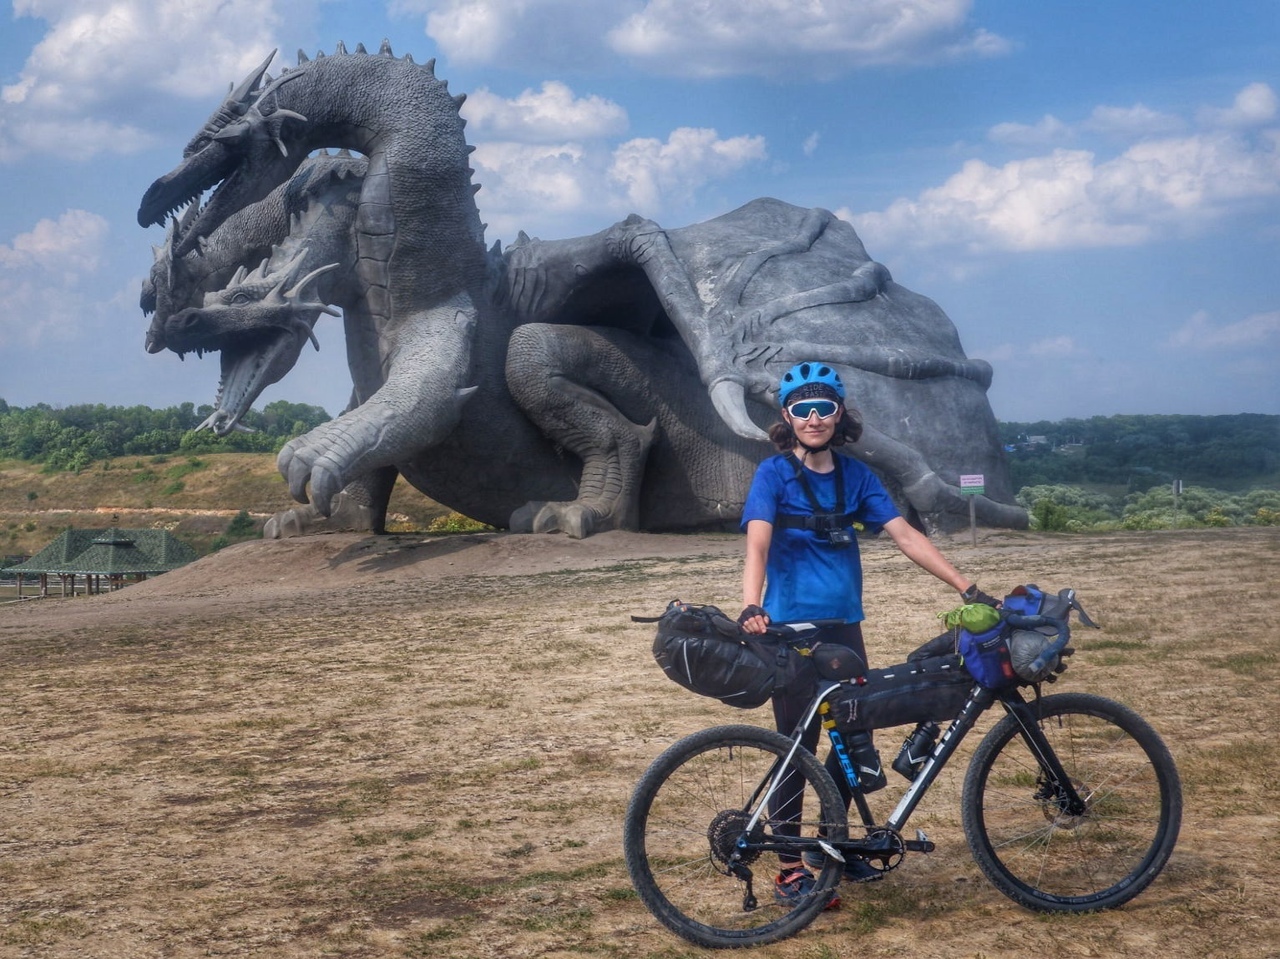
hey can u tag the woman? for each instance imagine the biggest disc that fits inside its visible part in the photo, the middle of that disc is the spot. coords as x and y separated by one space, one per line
800 518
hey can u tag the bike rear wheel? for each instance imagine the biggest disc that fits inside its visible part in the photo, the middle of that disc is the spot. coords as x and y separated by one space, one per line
684 823
1054 859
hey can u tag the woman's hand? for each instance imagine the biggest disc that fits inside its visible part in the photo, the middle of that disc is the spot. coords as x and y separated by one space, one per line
753 619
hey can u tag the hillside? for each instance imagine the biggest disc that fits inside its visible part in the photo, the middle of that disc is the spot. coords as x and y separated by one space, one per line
195 497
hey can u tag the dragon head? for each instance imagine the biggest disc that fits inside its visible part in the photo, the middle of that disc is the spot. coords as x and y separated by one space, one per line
240 152
259 322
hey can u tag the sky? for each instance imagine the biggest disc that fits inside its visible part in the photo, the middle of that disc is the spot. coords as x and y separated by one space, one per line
1090 191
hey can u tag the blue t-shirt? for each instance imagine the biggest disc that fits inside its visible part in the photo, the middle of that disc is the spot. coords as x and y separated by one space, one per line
805 576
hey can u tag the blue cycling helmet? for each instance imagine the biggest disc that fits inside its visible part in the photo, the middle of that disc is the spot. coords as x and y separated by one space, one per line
814 375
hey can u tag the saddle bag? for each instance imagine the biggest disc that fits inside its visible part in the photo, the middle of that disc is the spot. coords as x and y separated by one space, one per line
933 688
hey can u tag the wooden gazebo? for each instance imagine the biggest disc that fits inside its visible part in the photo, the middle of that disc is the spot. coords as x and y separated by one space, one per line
109 556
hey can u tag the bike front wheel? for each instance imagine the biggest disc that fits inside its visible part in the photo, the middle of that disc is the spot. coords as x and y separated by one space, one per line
1039 850
689 836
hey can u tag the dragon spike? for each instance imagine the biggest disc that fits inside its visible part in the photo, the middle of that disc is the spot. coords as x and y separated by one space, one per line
470 149
340 49
268 79
291 267
408 58
302 57
319 54
459 100
239 276
385 49
430 67
360 49
244 93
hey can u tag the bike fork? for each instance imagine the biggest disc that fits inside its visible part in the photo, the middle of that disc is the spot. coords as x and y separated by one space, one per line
1056 780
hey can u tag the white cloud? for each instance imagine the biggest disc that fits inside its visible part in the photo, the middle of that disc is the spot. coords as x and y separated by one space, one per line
536 34
654 173
1200 333
68 247
1074 198
40 273
810 145
1255 105
1049 130
708 38
544 176
547 115
98 61
1130 122
777 37
549 188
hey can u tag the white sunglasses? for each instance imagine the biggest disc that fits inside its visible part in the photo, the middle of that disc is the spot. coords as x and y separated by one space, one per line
802 409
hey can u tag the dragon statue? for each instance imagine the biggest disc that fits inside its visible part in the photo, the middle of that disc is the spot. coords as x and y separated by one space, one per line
618 380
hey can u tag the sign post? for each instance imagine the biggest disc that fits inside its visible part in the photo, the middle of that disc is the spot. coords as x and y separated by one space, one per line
973 485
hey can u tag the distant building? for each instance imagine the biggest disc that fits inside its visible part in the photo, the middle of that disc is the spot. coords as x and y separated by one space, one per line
103 555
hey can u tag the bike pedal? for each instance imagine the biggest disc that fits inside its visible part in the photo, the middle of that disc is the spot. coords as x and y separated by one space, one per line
920 844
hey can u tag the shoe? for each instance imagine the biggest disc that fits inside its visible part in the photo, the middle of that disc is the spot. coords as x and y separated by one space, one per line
855 870
793 886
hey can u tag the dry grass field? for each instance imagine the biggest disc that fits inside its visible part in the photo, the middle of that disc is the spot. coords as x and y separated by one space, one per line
417 747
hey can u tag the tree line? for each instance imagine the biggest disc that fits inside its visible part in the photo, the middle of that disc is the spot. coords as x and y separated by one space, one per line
1139 453
73 437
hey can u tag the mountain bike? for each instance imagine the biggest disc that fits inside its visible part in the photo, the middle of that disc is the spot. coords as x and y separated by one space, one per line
1070 803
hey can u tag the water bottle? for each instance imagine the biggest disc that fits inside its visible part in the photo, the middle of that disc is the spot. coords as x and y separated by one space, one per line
915 749
862 752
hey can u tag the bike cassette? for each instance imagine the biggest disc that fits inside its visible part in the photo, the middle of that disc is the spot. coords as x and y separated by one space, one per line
724 833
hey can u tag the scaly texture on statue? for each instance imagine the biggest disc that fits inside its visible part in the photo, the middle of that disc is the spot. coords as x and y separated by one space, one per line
615 380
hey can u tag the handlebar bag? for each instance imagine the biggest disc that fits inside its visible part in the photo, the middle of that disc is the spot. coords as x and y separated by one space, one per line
933 688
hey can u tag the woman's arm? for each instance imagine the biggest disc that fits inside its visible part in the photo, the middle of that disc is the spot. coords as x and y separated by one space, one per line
759 536
918 548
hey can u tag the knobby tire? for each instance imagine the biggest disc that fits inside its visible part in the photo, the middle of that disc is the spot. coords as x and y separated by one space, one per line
1049 858
683 819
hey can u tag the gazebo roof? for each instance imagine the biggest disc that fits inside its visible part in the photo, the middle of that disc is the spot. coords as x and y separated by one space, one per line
109 552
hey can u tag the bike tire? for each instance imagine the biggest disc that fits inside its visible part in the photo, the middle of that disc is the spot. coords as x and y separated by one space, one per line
1046 859
689 804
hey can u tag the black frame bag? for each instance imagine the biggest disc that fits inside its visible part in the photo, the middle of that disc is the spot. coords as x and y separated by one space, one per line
933 688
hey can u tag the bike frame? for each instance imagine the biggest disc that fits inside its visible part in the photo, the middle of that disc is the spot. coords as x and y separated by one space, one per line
980 699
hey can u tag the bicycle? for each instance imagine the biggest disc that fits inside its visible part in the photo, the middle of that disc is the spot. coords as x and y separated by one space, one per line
1071 803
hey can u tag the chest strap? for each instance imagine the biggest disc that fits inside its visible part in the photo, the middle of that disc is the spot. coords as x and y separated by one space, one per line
815 522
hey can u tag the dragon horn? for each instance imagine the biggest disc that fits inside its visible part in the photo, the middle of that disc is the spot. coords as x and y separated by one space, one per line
244 92
296 290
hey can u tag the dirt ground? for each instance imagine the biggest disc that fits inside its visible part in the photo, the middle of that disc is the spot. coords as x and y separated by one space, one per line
413 746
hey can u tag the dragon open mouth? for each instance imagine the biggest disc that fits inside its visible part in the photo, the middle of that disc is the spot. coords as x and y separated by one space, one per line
248 368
